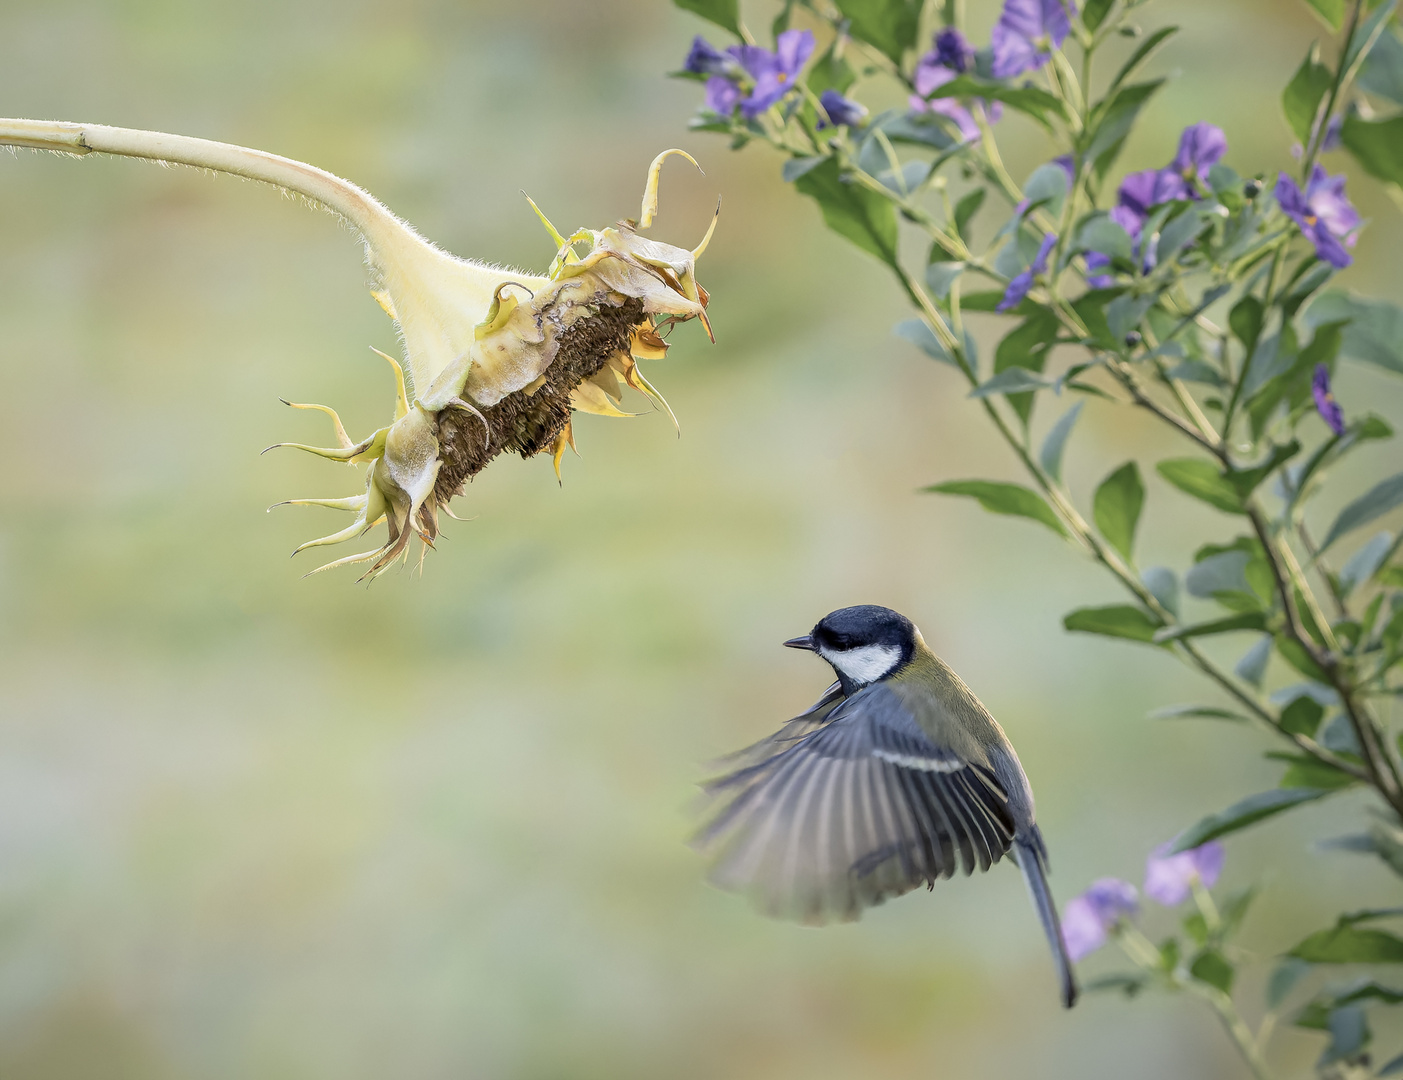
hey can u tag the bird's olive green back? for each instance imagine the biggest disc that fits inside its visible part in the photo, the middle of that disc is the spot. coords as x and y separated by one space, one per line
946 709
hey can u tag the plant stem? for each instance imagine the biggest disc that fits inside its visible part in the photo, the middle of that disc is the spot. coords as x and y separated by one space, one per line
1317 137
341 196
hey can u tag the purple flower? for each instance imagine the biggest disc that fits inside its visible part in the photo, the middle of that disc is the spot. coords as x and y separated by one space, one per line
1325 403
1026 34
1201 146
951 55
839 110
722 95
705 59
774 72
1019 286
1323 213
1169 878
1088 917
1095 261
1141 191
952 50
1333 132
930 77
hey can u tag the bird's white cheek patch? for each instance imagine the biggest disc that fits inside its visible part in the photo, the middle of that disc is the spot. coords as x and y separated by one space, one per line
867 664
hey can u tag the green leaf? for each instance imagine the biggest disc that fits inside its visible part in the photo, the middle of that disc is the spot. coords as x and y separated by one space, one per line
724 13
1169 955
1047 188
1029 100
1287 974
1295 654
1302 716
1104 139
1210 967
1382 73
1374 330
1206 712
1129 985
1116 507
1026 346
1245 481
941 275
1248 620
987 300
1050 456
1116 620
1245 321
1140 55
1099 233
1235 575
1308 772
1163 584
1370 30
1184 229
1365 562
1234 909
1386 842
1331 12
851 210
1240 815
1014 380
796 167
966 208
1300 101
1349 1035
919 334
1377 145
1253 665
1123 314
1348 944
890 25
1374 503
830 72
1202 480
1094 13
1003 498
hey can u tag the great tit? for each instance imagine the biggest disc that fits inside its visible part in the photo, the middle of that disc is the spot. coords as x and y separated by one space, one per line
895 777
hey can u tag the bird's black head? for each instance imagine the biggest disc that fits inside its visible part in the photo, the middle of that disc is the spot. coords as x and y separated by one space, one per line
864 643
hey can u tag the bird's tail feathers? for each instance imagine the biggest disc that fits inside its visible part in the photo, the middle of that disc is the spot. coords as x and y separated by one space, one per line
1031 860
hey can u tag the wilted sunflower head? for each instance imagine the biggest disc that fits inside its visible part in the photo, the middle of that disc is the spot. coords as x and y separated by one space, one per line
497 360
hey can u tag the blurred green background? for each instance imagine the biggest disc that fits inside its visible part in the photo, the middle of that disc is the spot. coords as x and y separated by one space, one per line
256 826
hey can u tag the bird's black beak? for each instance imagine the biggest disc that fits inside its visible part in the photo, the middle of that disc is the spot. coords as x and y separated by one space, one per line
805 642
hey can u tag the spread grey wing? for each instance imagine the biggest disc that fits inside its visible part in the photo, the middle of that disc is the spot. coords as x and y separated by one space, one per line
808 721
864 807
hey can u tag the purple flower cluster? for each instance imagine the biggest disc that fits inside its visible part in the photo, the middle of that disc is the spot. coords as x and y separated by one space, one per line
1090 916
839 111
749 77
1169 880
1326 218
951 55
1026 34
1019 286
1325 403
1201 146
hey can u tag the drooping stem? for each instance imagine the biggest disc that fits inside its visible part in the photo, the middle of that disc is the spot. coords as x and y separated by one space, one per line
358 207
